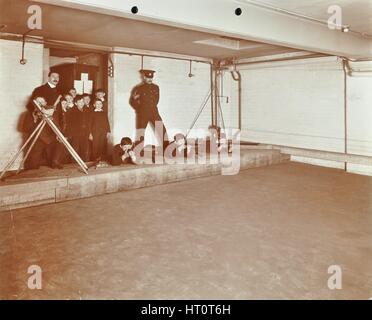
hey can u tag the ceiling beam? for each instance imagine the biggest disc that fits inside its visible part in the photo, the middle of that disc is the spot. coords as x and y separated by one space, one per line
218 17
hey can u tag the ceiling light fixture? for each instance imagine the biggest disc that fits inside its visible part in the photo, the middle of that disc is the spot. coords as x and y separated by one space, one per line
345 29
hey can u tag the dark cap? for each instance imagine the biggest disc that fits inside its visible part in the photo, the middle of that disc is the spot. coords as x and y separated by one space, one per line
147 73
126 141
179 136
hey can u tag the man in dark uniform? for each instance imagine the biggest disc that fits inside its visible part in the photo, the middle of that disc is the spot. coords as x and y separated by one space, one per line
49 97
144 100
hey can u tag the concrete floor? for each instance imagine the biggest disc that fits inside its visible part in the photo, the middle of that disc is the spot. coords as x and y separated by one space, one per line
268 233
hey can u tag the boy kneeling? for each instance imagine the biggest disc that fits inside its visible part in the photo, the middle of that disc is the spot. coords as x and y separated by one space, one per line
123 153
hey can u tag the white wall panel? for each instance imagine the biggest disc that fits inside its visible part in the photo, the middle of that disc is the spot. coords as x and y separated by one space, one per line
17 83
180 96
298 104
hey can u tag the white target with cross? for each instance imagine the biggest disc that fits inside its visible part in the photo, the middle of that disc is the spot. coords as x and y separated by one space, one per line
84 85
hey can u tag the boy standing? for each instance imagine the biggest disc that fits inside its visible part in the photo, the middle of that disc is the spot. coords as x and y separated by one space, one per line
87 102
89 107
79 127
100 129
73 92
69 99
101 95
60 154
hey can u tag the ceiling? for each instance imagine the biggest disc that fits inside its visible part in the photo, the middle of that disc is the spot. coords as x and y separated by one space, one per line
356 13
65 24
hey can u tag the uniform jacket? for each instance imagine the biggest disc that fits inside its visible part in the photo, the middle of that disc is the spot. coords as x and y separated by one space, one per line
145 98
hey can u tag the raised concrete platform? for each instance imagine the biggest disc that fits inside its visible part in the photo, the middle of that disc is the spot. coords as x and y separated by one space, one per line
44 186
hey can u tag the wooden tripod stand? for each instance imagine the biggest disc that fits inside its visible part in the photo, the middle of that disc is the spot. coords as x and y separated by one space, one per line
35 136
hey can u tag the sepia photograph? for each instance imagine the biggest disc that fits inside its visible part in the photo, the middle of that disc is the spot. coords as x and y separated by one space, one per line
186 150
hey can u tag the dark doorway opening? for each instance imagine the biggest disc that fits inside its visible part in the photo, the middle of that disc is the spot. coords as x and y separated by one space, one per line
82 70
85 71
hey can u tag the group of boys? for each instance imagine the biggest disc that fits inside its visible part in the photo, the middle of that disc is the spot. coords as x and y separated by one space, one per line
126 153
84 122
180 149
81 119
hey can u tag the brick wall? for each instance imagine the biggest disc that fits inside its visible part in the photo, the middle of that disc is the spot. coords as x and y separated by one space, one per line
180 96
297 104
359 90
301 104
17 83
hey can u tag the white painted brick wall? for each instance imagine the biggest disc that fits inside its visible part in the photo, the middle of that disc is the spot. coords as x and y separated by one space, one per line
17 83
301 104
360 116
229 101
180 96
297 104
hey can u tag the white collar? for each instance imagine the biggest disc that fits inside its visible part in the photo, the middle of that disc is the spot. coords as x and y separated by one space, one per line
52 85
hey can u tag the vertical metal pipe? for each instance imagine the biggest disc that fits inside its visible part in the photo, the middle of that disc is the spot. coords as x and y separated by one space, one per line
212 93
216 96
240 101
239 80
221 85
345 68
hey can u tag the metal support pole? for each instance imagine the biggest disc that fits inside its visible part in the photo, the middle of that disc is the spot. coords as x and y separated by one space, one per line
212 93
216 94
344 64
238 78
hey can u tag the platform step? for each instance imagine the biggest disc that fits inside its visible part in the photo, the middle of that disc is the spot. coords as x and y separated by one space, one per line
21 193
